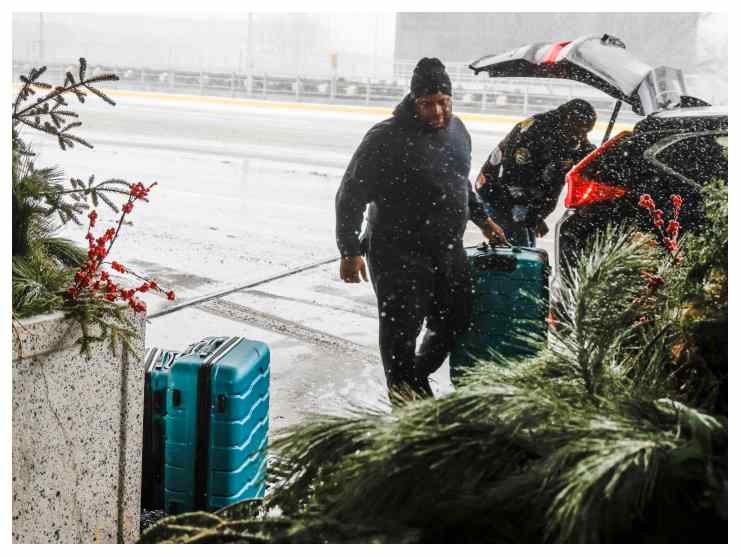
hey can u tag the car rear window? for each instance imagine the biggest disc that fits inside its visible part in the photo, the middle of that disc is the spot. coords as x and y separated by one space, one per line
700 158
622 165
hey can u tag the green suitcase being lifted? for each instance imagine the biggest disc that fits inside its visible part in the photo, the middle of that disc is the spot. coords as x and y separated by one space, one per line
510 305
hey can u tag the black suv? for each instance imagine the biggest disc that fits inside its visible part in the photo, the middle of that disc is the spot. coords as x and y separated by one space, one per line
680 144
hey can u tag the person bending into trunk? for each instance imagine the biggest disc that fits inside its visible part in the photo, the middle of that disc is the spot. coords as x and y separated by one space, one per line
412 170
521 180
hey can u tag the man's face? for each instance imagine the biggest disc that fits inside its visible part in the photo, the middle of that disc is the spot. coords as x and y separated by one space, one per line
434 110
578 128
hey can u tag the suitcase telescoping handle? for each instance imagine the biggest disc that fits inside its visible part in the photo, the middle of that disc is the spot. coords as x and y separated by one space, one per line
494 244
498 242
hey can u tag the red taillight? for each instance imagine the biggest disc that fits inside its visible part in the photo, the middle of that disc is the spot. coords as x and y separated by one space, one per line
583 191
552 54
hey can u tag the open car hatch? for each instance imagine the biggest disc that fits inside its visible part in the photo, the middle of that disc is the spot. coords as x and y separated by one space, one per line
600 61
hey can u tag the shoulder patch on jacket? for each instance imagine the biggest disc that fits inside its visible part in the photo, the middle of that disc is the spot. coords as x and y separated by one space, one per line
522 156
524 125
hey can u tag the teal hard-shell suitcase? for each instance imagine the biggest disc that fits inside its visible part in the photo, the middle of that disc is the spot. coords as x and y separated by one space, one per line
217 423
509 306
157 363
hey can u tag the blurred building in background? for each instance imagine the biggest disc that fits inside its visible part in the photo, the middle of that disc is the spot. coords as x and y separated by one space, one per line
658 38
289 43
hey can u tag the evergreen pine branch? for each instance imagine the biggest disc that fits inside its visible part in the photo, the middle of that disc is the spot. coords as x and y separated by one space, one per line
101 94
107 317
32 112
70 126
36 124
602 480
103 77
529 451
75 139
107 201
63 250
67 113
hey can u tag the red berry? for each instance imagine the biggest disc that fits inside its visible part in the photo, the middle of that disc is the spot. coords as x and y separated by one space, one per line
673 227
646 201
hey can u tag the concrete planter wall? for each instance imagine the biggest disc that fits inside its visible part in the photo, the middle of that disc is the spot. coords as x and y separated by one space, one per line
77 426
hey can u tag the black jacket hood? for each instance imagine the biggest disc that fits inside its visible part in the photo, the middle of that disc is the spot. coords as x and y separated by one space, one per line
405 112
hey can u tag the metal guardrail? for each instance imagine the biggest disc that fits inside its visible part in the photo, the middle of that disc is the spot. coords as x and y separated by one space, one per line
471 94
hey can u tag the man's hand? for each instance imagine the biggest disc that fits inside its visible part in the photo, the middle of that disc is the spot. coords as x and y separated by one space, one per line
541 229
490 229
350 269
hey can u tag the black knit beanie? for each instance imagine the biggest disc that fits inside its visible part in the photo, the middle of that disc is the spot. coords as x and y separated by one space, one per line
579 111
429 78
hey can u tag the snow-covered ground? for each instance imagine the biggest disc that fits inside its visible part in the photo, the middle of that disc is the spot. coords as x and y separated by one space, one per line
245 192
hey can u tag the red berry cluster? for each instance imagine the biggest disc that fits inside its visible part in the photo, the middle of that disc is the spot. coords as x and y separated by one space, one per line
653 280
91 281
669 234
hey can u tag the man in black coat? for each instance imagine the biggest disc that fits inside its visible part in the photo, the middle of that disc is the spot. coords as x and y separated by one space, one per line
412 170
524 175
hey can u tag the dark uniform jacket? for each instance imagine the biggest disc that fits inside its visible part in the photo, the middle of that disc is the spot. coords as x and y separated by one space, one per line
528 168
415 180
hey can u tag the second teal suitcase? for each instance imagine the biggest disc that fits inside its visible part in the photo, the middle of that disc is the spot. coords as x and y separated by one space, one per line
157 363
509 306
216 425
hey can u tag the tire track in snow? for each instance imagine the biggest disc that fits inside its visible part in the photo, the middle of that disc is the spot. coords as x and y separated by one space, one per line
273 323
370 313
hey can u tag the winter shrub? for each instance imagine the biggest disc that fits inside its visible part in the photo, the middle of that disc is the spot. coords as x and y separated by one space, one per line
615 432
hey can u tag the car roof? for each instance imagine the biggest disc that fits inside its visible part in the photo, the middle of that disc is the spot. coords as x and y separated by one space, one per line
694 112
697 118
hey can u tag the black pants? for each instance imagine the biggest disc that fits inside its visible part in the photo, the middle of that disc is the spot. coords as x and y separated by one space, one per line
413 285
